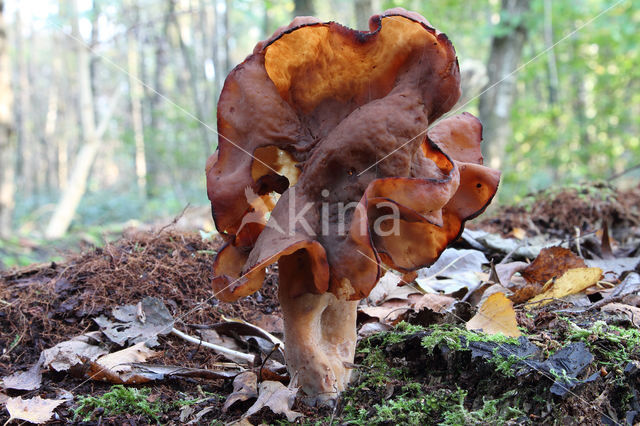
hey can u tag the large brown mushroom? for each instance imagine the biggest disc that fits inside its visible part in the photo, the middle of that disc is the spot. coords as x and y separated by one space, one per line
324 165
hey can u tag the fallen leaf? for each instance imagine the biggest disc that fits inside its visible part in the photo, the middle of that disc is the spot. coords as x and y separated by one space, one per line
519 233
615 267
459 267
25 380
371 328
435 302
388 312
117 361
269 323
3 398
496 315
34 410
245 386
551 263
633 312
389 288
504 271
571 282
138 323
116 367
66 354
276 397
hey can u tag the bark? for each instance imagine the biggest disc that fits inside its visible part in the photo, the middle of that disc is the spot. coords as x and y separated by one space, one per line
136 91
25 140
7 141
551 54
77 185
496 101
51 124
192 77
303 8
227 37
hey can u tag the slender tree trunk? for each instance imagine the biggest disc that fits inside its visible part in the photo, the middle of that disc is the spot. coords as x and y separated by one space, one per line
136 91
215 52
25 140
7 141
303 8
77 185
495 103
227 37
551 54
191 69
50 126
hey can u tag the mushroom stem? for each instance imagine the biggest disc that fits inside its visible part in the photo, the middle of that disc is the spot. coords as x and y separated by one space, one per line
320 336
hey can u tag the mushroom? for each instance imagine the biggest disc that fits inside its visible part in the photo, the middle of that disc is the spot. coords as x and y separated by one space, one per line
325 166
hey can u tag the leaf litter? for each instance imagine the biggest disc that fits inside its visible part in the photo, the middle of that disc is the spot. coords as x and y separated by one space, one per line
49 303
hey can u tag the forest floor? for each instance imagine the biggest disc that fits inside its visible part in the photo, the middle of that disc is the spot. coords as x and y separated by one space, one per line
576 360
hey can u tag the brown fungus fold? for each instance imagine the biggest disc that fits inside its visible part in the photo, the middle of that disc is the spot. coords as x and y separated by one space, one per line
325 166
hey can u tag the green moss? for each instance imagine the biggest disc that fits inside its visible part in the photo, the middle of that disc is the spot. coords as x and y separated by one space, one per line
493 412
119 400
613 346
458 338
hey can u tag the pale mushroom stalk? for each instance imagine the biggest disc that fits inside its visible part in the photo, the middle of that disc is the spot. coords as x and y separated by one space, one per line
320 331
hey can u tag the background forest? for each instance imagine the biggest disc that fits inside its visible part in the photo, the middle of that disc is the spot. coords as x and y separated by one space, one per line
107 107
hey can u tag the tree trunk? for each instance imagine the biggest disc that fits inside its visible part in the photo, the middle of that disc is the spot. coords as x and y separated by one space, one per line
193 74
7 144
496 101
136 91
77 185
551 54
363 11
25 140
303 8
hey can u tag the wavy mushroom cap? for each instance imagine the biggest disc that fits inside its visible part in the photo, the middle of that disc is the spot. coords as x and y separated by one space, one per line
324 161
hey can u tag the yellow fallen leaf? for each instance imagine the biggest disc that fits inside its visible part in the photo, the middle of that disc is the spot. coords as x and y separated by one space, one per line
519 233
571 282
496 315
34 410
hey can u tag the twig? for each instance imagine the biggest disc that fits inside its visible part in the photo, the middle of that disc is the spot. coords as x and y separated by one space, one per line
230 353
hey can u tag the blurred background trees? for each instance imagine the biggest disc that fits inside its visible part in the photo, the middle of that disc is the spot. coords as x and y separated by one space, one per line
114 101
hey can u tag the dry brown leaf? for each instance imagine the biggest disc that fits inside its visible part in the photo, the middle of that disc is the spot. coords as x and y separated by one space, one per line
504 271
25 380
571 282
633 312
116 367
245 386
496 315
117 361
388 312
552 262
34 410
435 302
66 354
278 398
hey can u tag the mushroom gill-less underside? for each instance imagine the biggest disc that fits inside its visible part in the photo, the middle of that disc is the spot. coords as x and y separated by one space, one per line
325 165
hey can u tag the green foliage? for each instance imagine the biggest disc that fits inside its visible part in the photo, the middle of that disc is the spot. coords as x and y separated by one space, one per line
119 400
